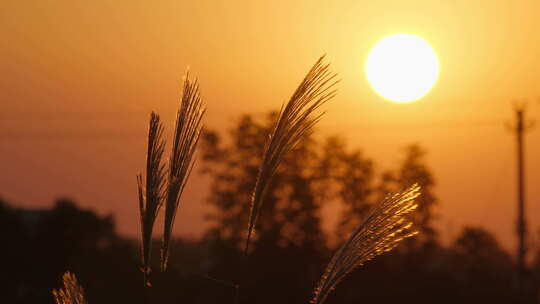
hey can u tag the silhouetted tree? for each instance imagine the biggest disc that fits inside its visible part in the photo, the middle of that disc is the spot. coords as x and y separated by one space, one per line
13 252
290 214
289 244
347 177
46 243
483 270
67 233
413 169
289 251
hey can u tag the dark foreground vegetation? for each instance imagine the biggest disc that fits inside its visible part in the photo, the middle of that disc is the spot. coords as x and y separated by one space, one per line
289 250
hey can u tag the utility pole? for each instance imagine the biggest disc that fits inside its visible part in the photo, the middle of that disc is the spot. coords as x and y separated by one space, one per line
519 129
521 226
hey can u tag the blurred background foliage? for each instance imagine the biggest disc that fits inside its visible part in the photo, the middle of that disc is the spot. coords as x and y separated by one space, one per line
290 248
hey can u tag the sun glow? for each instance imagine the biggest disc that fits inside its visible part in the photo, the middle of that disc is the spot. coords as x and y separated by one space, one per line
402 67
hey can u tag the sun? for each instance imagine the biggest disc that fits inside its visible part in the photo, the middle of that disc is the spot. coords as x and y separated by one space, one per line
402 67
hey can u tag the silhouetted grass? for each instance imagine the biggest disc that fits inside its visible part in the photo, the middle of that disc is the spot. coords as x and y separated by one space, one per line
159 189
186 137
382 229
151 196
296 119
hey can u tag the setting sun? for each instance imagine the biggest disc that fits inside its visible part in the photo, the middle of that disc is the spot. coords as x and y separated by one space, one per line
402 67
270 151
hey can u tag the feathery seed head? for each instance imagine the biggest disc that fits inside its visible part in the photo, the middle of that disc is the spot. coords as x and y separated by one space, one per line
381 231
296 119
71 292
152 194
186 137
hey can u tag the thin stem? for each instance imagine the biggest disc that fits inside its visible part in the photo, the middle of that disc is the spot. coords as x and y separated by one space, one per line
146 292
245 257
237 294
247 243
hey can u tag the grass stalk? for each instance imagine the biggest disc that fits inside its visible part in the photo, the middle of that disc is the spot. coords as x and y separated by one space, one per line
383 228
186 137
296 120
151 195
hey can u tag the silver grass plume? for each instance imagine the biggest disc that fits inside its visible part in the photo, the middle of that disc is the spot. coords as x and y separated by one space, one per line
186 137
295 121
151 195
384 227
71 292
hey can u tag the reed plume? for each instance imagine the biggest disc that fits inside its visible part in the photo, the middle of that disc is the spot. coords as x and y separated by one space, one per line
186 136
296 119
71 292
384 227
151 196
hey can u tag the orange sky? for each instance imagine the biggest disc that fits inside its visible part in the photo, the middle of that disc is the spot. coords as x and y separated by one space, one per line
80 77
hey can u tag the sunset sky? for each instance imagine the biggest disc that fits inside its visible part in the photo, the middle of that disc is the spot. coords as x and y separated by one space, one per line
79 79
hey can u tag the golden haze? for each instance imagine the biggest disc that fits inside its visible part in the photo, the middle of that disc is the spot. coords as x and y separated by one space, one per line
75 72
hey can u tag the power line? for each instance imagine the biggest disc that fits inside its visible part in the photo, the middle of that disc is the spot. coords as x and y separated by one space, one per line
69 115
71 136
